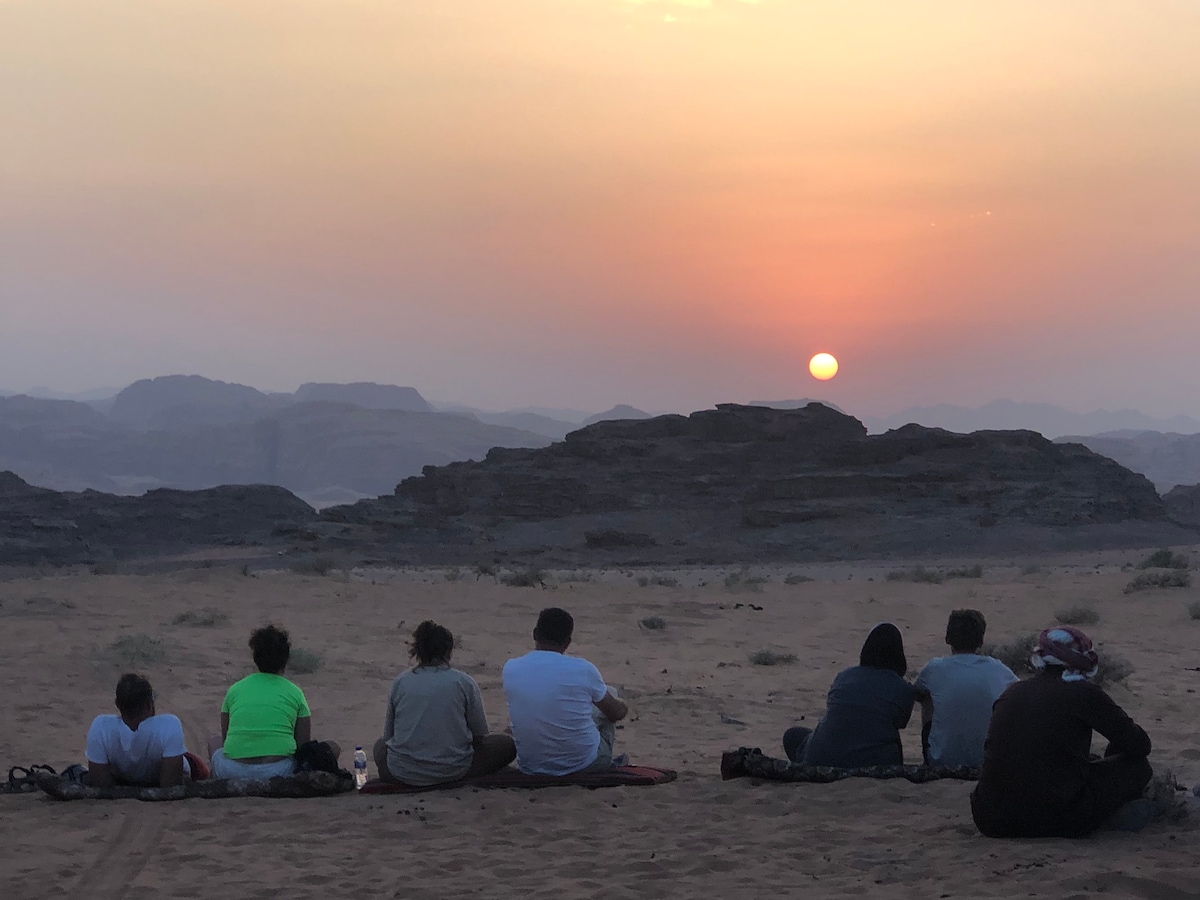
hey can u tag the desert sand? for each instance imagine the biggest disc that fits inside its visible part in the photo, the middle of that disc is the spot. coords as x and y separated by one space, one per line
698 836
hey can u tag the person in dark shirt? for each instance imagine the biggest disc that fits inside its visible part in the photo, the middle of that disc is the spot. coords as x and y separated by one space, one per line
865 710
1038 778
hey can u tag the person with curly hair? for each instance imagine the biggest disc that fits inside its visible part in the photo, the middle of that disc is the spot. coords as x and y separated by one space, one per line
434 729
264 717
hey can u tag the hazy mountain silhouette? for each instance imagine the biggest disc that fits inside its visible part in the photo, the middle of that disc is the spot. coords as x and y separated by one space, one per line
620 411
1166 459
1047 419
794 404
365 394
192 432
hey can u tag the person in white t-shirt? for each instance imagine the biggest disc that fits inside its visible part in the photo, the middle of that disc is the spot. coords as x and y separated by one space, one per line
562 712
138 746
957 693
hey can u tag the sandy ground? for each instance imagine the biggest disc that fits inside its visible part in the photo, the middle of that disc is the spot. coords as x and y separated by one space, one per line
696 837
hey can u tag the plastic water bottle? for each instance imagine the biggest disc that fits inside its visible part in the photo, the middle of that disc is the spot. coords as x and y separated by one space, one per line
360 767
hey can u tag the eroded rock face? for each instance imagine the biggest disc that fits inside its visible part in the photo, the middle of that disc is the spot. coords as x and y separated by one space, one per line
743 482
39 526
1183 504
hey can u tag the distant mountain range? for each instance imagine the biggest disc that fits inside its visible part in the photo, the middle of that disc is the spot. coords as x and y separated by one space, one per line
1047 419
1166 459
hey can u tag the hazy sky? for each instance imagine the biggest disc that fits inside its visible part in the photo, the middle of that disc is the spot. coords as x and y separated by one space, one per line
584 202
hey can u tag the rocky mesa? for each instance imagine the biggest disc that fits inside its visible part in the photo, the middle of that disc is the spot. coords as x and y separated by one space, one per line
745 483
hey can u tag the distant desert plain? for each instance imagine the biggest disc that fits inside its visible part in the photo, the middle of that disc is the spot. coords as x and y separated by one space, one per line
677 641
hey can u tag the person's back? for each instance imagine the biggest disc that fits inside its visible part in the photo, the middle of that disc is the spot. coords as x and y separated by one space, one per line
435 713
262 710
963 688
1038 778
138 746
561 711
550 700
865 710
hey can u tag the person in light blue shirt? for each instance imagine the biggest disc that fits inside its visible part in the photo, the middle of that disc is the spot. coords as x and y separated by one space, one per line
957 692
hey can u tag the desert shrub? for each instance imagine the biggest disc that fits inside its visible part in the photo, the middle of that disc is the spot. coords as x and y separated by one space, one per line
303 661
797 579
1193 609
771 658
531 576
657 581
919 574
576 576
135 650
454 575
1174 578
1164 559
742 581
484 569
105 567
1014 652
1077 615
318 565
201 618
1114 668
653 623
1032 569
975 571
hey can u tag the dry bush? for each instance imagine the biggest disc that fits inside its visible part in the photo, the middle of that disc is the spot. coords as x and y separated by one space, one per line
1193 609
798 579
653 623
201 618
1014 652
975 571
531 576
136 650
771 658
1114 667
303 662
1164 559
920 575
1077 615
319 565
1172 578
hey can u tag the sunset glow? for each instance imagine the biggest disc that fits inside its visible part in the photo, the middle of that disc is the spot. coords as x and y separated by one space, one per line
580 202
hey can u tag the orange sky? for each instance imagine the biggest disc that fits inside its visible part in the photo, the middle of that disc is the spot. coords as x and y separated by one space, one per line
583 202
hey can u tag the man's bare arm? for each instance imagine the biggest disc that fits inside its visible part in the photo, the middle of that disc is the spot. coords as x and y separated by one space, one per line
613 708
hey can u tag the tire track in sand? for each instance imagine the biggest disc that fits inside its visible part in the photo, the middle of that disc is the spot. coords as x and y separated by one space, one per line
122 859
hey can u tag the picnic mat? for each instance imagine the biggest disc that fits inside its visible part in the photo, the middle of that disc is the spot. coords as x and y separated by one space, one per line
300 785
628 776
750 762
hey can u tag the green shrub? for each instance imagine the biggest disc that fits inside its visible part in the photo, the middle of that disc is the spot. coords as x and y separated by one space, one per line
771 658
1077 615
201 618
653 623
798 579
134 650
1174 578
303 662
1164 559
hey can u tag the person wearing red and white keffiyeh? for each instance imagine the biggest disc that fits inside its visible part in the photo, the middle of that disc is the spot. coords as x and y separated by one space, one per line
1038 777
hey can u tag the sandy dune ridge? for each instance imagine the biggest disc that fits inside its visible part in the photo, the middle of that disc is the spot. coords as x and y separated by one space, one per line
697 836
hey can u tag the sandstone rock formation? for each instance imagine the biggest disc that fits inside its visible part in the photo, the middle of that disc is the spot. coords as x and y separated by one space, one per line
44 527
744 483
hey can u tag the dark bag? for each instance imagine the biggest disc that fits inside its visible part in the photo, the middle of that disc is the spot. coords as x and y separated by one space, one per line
316 756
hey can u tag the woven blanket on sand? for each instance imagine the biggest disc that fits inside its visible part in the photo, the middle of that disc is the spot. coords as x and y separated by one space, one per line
750 762
627 776
300 785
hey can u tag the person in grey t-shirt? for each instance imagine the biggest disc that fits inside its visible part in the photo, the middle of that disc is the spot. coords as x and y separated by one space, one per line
957 692
435 730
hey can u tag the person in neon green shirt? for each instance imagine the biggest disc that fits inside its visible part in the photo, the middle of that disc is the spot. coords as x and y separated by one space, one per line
264 717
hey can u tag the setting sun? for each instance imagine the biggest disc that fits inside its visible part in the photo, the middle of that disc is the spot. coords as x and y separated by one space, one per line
823 366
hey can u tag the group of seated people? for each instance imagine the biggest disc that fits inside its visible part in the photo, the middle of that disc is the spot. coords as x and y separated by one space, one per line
1030 741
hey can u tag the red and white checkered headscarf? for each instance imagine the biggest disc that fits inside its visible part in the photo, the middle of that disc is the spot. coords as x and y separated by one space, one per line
1068 647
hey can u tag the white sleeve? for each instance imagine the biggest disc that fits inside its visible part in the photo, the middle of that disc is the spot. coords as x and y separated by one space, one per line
597 689
95 752
171 734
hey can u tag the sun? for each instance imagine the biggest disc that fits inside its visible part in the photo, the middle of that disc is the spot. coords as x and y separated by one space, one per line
823 366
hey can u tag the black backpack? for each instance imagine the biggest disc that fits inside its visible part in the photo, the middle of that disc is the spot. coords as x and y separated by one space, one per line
316 756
